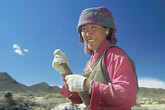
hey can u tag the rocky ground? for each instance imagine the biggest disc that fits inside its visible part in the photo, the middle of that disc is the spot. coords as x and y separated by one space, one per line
52 101
30 101
69 106
150 107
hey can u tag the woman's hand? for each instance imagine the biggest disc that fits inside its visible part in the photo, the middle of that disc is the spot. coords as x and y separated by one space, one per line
59 59
77 83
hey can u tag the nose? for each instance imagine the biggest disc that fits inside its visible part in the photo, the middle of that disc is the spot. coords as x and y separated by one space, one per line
88 31
87 34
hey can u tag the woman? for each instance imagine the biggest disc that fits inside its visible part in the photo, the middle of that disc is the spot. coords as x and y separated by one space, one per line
109 76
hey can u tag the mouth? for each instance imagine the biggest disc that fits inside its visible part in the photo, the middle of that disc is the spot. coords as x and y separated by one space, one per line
93 40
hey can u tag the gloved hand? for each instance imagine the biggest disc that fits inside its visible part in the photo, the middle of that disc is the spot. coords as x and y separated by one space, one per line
75 83
59 58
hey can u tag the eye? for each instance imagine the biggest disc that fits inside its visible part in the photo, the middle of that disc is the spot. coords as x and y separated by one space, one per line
83 28
93 26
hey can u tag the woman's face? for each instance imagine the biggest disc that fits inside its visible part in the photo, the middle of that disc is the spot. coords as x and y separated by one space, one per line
94 35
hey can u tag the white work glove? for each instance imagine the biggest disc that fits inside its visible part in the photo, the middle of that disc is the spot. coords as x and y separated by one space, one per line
75 83
59 58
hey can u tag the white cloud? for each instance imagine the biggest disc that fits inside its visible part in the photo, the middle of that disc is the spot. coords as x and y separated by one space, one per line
18 50
60 86
16 46
25 50
151 83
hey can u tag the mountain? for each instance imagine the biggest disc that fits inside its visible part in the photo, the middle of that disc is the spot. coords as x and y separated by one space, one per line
151 93
7 83
44 87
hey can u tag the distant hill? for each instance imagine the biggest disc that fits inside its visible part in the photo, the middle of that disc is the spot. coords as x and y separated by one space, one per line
7 83
151 93
44 87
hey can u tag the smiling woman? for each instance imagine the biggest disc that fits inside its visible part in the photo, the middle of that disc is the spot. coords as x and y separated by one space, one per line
108 80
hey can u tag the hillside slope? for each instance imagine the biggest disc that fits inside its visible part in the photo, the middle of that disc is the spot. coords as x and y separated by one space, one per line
7 83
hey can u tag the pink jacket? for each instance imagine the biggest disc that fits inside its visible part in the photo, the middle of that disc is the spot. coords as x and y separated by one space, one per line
121 93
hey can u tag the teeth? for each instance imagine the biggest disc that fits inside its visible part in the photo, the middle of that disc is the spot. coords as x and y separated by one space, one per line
91 41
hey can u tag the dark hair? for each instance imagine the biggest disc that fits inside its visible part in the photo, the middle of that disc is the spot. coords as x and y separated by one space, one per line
110 33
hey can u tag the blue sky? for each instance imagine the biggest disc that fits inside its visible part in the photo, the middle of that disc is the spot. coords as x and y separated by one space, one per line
30 31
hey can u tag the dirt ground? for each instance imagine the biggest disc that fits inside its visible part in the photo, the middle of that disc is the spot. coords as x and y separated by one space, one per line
154 107
150 107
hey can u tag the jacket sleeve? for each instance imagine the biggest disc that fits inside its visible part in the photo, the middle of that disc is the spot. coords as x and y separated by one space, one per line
121 92
73 96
